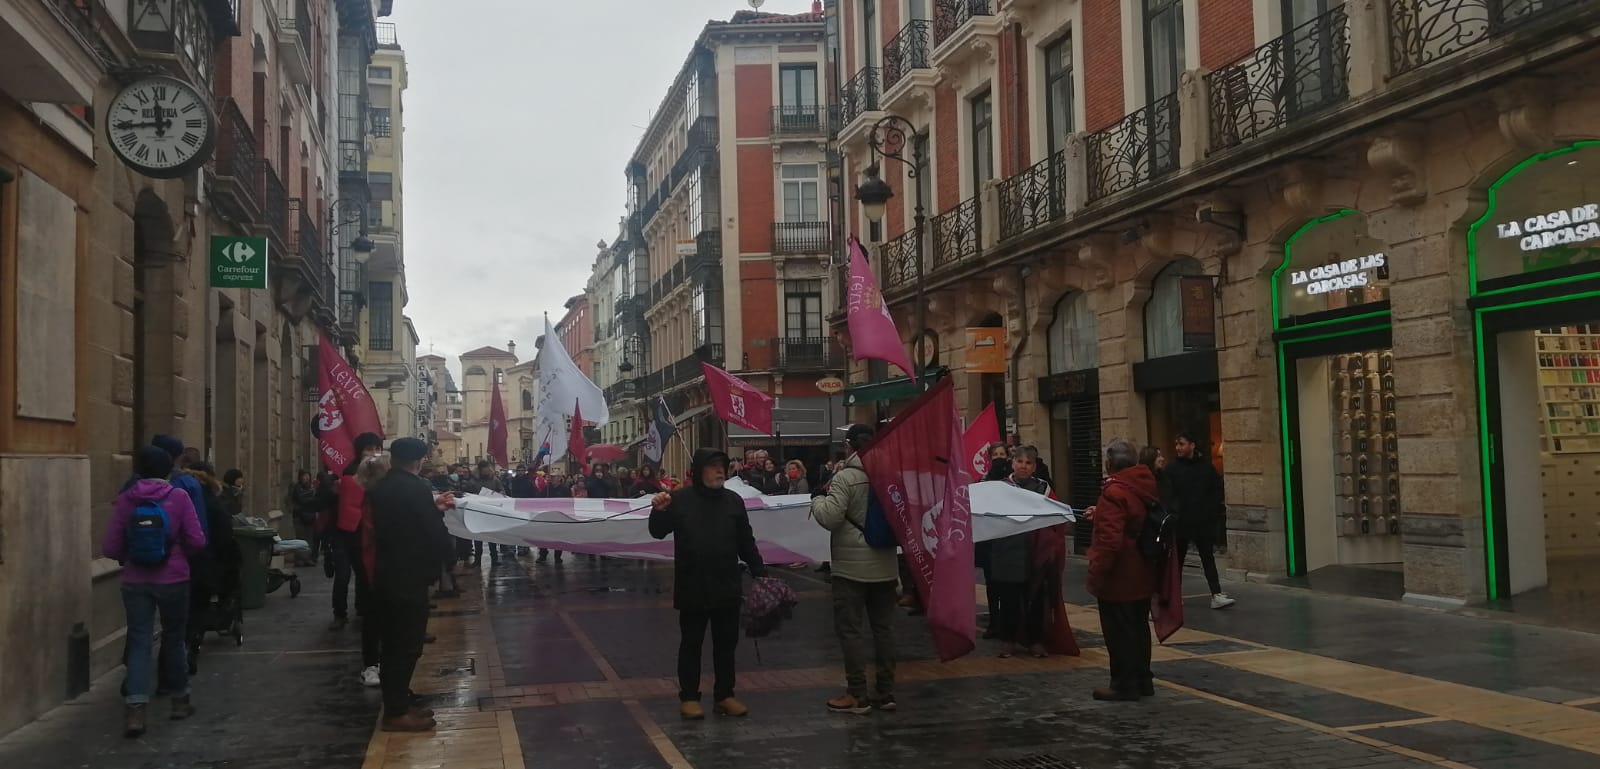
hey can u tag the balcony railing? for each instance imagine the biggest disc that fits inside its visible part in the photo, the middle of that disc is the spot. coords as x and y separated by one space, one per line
296 15
386 35
1033 198
306 242
859 95
958 234
905 52
1140 147
801 238
899 259
1296 75
1422 32
808 354
800 119
949 16
353 158
274 206
236 161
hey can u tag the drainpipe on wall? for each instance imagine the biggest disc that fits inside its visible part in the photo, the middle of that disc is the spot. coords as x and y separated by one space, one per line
1019 97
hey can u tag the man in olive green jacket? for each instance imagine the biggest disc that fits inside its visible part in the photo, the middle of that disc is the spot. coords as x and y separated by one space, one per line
863 582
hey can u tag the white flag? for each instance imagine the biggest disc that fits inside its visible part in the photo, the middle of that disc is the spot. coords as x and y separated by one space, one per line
550 428
562 385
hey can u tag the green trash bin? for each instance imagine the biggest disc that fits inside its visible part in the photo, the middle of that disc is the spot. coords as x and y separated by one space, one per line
255 551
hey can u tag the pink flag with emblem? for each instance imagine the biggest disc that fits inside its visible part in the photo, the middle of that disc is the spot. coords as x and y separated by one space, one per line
920 474
344 408
737 401
872 331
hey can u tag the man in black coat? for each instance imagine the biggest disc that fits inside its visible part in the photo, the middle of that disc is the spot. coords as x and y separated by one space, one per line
1194 492
712 534
410 540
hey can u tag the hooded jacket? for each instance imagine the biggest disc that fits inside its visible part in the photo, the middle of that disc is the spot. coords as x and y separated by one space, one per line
1194 493
1117 570
711 535
843 511
185 539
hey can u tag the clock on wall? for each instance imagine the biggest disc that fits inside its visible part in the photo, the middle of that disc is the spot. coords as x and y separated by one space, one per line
161 127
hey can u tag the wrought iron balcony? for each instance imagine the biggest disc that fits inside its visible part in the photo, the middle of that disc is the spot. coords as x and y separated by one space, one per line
801 238
1299 74
801 119
958 234
353 159
294 40
626 389
274 207
305 242
899 260
1422 32
386 35
236 189
949 16
809 354
1140 147
1033 198
859 95
906 51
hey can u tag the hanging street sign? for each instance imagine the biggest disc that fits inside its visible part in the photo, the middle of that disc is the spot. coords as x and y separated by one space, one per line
238 262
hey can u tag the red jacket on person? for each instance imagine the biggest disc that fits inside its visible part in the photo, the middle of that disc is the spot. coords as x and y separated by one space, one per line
1117 570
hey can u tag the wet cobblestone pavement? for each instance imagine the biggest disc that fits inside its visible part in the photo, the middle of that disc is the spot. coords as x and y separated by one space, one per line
570 667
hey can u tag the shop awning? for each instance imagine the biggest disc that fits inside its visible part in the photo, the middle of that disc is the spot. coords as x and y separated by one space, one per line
892 389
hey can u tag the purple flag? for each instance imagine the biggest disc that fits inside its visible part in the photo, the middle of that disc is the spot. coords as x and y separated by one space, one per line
872 331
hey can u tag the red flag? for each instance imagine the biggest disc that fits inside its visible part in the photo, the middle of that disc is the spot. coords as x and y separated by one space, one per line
737 401
983 431
872 331
497 428
1166 611
575 446
344 408
919 471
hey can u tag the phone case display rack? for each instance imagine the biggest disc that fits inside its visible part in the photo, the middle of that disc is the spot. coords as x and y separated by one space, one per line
1366 450
1569 426
1569 388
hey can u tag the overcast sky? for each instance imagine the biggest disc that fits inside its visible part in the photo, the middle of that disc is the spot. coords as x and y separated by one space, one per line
519 120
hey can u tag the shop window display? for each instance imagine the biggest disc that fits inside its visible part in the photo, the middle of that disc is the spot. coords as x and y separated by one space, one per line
1366 456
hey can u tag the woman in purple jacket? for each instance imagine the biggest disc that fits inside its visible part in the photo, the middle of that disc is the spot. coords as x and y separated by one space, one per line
154 578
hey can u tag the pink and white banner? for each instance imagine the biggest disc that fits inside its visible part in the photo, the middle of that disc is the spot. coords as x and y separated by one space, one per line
784 528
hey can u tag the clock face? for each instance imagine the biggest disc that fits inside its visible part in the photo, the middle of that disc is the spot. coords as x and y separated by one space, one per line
161 127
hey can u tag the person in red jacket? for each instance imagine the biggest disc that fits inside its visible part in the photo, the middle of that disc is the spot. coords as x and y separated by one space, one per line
1121 578
346 533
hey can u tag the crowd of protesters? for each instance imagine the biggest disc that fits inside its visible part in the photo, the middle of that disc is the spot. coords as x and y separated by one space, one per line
379 527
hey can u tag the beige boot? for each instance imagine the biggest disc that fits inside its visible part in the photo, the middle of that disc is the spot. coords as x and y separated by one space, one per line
691 711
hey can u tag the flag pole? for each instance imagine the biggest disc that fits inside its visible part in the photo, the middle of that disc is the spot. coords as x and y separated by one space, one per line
676 433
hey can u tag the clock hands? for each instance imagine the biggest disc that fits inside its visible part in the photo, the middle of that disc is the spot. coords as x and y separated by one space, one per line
126 124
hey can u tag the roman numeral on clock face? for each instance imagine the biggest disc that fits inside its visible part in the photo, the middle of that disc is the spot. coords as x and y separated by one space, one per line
143 153
194 122
128 140
193 140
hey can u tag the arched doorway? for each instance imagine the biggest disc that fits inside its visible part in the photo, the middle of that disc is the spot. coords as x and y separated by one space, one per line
1534 271
1072 393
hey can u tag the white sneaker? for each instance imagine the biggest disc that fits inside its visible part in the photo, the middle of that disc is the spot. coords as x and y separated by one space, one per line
370 677
1222 601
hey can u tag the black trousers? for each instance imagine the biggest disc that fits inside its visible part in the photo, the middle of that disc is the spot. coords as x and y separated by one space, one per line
404 617
724 625
1008 615
1208 560
372 611
346 553
1126 627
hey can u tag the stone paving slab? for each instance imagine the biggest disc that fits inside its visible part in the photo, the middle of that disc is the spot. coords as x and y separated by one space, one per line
961 724
1484 748
1280 696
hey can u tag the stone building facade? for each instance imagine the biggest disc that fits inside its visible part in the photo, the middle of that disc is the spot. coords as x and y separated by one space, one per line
1182 227
117 334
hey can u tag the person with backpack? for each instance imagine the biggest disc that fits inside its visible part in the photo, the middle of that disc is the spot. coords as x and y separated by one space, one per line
711 534
864 572
153 533
1194 495
1122 572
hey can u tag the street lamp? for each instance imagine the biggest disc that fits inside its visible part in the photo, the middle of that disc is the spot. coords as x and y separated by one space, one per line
888 139
362 247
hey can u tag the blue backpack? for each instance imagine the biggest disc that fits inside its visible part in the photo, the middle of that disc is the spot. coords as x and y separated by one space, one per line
148 538
877 531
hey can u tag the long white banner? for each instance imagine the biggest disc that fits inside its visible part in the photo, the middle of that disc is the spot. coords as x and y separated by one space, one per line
783 526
